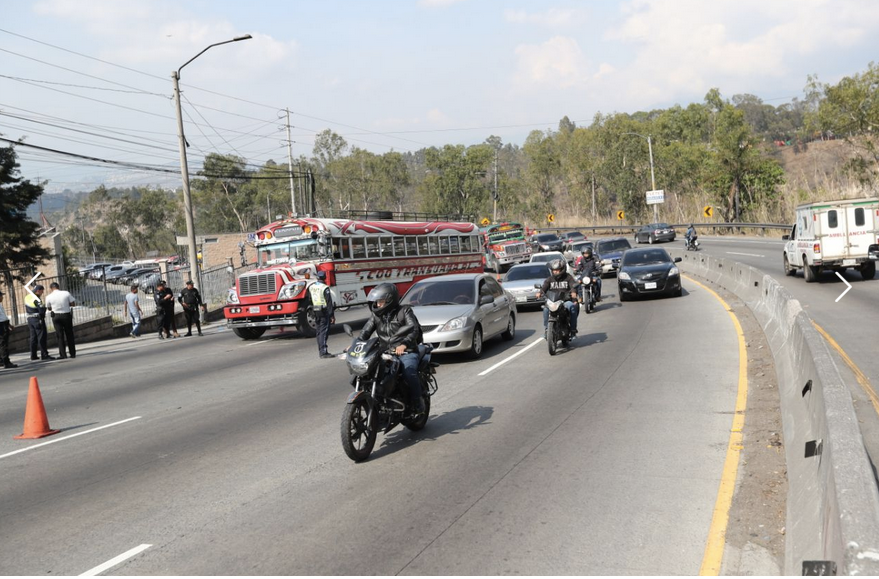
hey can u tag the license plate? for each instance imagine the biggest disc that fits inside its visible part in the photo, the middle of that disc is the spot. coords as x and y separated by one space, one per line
650 285
849 262
253 309
521 298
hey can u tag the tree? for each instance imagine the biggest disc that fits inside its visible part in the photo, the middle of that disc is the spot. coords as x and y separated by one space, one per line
456 182
20 250
223 202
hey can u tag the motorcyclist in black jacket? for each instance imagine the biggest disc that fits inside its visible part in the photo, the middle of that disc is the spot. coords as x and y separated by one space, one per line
398 329
566 287
588 265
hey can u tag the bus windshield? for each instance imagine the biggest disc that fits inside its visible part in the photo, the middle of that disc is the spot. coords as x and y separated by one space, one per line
289 251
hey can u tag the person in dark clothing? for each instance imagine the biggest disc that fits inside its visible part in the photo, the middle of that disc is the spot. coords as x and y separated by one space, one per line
588 265
190 299
397 328
5 331
562 284
36 321
164 299
322 303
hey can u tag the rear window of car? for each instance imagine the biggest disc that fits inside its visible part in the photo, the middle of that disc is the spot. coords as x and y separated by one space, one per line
530 272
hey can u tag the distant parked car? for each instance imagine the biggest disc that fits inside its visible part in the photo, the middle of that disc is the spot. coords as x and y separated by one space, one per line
609 253
147 282
648 271
116 276
520 281
93 269
546 242
128 278
655 232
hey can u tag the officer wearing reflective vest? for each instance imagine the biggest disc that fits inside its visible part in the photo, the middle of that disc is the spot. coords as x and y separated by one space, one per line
322 302
36 321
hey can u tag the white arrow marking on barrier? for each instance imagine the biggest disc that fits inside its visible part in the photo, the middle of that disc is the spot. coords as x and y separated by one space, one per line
27 286
846 283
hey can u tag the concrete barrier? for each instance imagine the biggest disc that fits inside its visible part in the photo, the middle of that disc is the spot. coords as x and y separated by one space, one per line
833 502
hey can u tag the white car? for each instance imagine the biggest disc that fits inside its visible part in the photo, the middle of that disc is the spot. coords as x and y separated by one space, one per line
548 256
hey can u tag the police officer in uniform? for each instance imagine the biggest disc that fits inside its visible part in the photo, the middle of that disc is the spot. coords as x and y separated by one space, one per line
164 298
36 321
190 299
322 302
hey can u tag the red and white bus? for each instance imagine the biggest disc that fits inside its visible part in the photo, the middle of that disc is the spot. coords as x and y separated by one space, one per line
357 256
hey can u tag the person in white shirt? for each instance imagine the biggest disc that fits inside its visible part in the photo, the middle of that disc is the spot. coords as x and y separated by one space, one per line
5 330
60 303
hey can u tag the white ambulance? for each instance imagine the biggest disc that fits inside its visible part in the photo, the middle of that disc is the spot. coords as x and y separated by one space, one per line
834 235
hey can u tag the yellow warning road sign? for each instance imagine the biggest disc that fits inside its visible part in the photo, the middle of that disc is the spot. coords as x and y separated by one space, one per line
485 221
621 215
550 218
708 211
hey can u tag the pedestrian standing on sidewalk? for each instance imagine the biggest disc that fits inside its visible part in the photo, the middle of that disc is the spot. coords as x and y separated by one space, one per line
36 322
322 303
5 330
190 299
60 303
132 302
164 299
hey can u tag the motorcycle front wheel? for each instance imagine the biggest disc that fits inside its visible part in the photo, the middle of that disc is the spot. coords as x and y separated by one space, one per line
358 439
551 337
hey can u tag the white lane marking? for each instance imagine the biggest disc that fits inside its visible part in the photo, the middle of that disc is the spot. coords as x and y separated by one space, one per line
519 353
115 561
260 342
748 254
68 437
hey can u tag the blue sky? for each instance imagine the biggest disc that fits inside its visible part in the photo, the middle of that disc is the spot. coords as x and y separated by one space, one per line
387 75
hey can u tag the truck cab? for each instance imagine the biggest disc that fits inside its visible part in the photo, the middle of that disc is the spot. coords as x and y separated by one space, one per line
834 236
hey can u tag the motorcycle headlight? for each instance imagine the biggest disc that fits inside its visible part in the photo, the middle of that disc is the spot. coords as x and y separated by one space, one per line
454 324
291 290
232 297
625 276
674 270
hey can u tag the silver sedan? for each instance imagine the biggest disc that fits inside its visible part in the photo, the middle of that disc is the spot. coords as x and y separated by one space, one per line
520 281
458 313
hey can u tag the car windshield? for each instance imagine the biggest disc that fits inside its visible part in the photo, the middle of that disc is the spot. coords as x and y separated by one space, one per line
613 246
527 272
544 257
547 237
645 257
291 251
441 292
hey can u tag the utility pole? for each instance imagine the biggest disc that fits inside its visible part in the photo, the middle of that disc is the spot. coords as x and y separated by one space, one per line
494 197
652 180
299 183
593 198
290 165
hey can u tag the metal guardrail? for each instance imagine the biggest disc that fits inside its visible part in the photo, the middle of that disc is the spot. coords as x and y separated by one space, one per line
728 227
396 216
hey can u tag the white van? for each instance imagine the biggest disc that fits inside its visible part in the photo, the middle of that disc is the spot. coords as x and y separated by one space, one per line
834 235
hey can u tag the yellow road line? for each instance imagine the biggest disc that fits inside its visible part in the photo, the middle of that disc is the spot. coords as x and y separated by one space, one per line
713 556
859 376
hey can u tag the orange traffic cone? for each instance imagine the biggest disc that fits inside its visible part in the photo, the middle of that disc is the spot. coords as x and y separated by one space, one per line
36 425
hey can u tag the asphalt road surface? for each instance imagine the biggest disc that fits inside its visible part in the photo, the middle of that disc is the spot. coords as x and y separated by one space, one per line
850 322
220 456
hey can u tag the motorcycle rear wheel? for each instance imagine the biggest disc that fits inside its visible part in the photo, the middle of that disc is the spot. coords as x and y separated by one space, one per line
417 423
358 439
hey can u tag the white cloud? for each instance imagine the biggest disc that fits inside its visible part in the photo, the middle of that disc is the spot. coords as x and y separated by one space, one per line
552 18
437 3
558 63
604 69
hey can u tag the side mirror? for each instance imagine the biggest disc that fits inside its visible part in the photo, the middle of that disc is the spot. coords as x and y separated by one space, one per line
348 330
785 237
678 260
485 300
537 286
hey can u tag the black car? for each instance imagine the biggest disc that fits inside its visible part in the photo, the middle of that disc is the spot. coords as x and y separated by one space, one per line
546 242
655 232
648 271
569 236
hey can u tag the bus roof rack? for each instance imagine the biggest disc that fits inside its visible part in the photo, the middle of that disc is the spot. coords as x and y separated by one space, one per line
360 215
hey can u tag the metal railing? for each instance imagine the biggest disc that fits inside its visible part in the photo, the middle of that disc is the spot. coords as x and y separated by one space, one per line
397 216
715 227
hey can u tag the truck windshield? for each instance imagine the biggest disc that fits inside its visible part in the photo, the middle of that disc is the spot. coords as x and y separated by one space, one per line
289 251
505 235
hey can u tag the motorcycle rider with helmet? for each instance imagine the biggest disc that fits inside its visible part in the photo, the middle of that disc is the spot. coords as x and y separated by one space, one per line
691 236
588 264
398 329
562 281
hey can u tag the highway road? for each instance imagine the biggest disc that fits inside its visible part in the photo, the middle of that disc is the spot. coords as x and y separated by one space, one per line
850 322
219 456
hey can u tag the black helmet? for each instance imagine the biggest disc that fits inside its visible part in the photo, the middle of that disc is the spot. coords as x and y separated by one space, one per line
383 291
558 264
587 252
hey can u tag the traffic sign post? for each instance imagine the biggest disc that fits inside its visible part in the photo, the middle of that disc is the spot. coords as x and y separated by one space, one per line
485 221
708 211
654 197
550 218
621 215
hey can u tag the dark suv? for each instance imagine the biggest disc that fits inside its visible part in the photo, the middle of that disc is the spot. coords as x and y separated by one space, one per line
609 252
546 242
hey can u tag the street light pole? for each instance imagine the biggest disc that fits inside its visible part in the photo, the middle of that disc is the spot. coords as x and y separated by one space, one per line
194 272
652 175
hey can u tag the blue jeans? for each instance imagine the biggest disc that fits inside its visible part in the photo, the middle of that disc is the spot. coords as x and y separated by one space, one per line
135 323
573 311
409 360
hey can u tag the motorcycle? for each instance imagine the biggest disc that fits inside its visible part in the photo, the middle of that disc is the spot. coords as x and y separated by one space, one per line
375 404
692 244
588 288
558 327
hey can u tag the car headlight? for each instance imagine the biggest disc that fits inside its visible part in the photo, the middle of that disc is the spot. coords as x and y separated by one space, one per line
624 275
605 262
674 270
232 297
291 290
454 324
